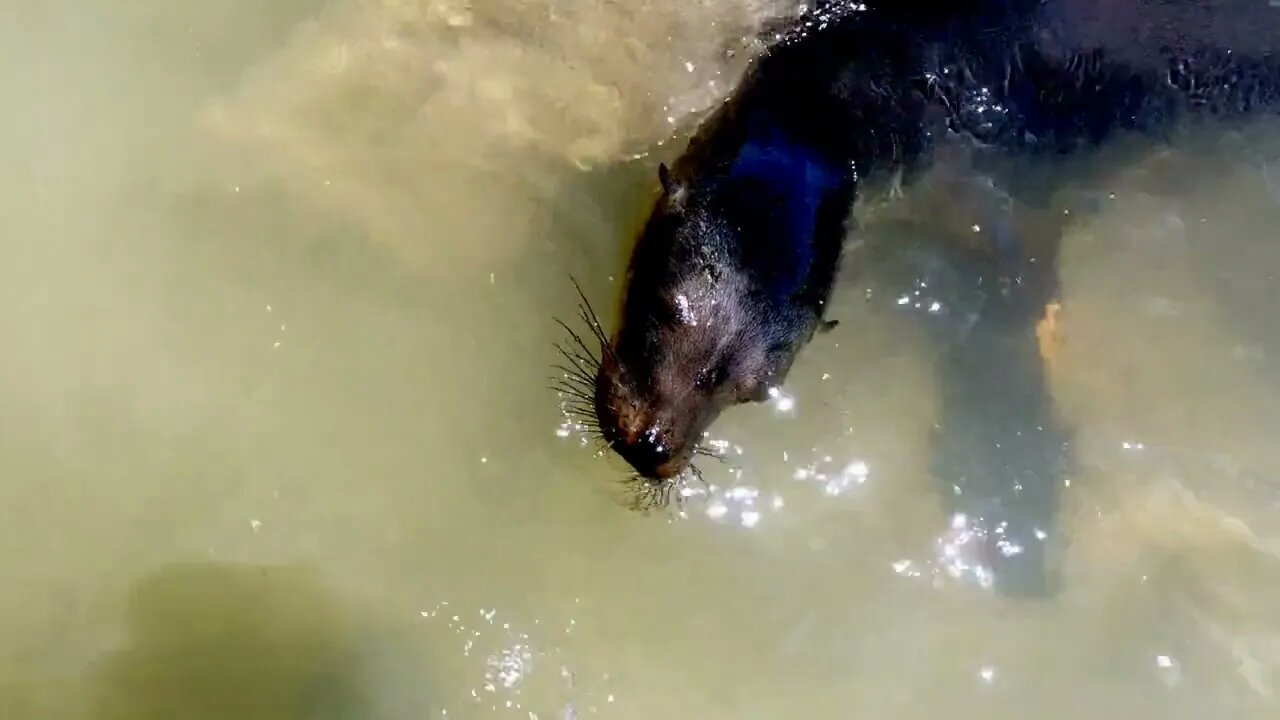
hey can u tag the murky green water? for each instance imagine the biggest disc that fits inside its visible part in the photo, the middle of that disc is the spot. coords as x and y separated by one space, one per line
276 289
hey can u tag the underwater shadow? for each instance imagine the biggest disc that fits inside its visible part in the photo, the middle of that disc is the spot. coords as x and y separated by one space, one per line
210 640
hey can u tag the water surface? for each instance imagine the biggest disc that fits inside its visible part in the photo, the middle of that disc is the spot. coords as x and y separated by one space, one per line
276 289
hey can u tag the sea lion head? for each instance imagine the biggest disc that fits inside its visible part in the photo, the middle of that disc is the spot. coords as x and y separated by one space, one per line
692 340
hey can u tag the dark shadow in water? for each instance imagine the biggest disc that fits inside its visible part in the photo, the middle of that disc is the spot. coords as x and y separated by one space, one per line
215 641
999 453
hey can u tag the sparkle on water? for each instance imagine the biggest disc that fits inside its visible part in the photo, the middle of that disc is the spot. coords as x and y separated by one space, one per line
783 404
736 502
508 659
918 299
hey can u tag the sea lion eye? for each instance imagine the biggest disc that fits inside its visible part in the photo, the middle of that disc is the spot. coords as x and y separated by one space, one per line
712 377
751 390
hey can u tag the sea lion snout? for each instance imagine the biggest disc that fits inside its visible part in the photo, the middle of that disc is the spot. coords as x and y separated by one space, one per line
651 454
654 433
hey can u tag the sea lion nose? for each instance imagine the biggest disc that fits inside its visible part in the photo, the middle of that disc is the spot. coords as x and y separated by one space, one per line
650 454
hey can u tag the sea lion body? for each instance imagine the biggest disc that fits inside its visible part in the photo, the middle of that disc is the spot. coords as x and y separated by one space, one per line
732 273
728 280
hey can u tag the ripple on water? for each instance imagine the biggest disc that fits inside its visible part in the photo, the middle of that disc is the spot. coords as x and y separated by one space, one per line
735 502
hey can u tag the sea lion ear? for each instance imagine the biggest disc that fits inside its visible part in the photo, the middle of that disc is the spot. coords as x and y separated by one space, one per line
674 189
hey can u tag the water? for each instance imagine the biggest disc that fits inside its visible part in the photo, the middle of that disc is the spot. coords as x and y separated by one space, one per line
277 286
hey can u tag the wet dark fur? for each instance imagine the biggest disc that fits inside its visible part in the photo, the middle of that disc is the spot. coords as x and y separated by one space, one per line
731 275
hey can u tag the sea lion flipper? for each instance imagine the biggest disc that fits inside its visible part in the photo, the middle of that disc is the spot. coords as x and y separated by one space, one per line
1049 333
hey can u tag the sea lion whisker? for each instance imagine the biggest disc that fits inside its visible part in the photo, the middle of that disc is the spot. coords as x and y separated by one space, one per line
712 455
697 474
580 368
585 315
570 373
573 385
573 355
577 338
598 332
593 319
666 490
576 404
576 408
578 421
571 392
579 410
577 358
583 424
647 494
634 485
580 380
577 392
574 335
574 376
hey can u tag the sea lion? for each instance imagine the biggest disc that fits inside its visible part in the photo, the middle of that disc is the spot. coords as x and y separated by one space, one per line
732 272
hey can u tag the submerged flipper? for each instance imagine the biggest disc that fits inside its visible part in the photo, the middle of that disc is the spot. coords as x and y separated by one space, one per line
1000 455
985 301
